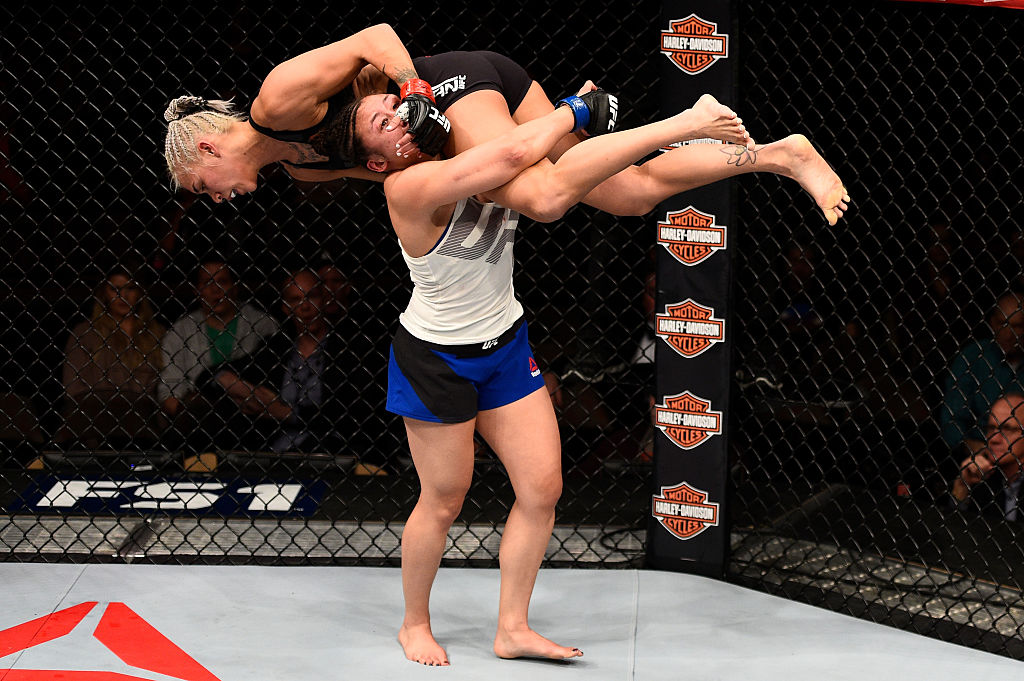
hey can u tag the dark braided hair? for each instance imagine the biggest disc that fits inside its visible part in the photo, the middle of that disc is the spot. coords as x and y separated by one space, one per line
338 138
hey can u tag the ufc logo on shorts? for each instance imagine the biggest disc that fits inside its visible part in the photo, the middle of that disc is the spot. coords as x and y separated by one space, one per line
450 86
441 119
487 345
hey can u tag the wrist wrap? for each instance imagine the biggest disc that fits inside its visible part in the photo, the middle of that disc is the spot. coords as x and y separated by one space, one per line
580 111
416 86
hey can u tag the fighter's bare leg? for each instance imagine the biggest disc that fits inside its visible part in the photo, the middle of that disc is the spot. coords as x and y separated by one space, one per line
545 191
639 189
443 456
524 435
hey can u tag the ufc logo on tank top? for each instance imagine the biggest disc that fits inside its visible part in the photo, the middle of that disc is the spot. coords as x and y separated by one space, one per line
488 234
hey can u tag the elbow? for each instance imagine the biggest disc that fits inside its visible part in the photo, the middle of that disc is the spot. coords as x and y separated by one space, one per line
515 158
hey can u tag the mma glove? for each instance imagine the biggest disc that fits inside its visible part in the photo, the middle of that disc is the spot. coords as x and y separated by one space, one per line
427 125
596 112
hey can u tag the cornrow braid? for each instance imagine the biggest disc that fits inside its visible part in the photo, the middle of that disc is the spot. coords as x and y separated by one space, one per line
339 138
187 117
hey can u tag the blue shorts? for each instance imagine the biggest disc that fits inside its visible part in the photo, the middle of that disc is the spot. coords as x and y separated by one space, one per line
451 383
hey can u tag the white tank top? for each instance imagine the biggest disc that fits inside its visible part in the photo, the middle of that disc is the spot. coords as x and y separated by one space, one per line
462 289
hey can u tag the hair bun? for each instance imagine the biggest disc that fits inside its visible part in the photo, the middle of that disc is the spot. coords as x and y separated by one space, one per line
185 105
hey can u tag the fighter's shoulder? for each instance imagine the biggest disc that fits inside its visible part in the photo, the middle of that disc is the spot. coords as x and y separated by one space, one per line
285 102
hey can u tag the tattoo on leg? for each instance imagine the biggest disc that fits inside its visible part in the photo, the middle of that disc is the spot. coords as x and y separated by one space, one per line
738 155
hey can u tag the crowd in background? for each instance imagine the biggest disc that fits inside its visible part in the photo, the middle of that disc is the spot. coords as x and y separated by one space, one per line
905 380
904 377
907 386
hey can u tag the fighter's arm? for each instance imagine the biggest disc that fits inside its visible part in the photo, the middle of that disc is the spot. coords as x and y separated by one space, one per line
293 94
309 175
416 193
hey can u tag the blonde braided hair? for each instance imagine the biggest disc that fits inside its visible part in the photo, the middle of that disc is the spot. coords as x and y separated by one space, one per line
187 117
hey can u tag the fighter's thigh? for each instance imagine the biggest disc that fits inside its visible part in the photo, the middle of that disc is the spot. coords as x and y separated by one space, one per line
524 435
482 116
442 454
535 104
477 118
615 194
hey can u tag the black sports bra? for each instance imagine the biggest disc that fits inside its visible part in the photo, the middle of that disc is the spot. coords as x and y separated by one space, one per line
334 105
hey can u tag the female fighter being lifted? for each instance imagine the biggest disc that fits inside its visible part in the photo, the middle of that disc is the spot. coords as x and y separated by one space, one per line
212 149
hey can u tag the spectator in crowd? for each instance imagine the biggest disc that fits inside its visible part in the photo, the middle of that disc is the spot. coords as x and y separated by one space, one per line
797 340
112 362
336 289
990 478
982 371
799 289
923 324
208 384
322 377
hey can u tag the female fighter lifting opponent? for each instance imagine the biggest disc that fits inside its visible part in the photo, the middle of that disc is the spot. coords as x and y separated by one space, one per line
461 361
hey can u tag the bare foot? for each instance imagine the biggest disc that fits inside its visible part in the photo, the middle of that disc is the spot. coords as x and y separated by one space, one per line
711 119
528 643
419 646
816 176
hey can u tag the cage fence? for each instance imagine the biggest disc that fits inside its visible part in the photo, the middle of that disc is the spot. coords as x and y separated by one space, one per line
849 430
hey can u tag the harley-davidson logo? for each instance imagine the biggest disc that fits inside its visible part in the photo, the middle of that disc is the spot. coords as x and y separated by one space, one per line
690 328
684 510
694 44
691 236
687 420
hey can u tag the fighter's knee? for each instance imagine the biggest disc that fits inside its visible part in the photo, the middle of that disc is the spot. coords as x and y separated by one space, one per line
550 213
446 506
549 206
543 494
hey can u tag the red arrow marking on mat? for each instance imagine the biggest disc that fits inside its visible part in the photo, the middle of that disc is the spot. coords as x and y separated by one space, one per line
120 629
43 629
138 644
59 675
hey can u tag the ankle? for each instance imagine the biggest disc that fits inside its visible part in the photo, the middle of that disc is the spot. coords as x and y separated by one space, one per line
414 624
513 626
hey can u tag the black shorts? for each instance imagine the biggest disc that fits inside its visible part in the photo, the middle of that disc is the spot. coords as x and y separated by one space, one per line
453 75
451 383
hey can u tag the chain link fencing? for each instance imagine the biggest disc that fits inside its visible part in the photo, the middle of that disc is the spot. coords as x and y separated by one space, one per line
841 471
94 468
869 356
